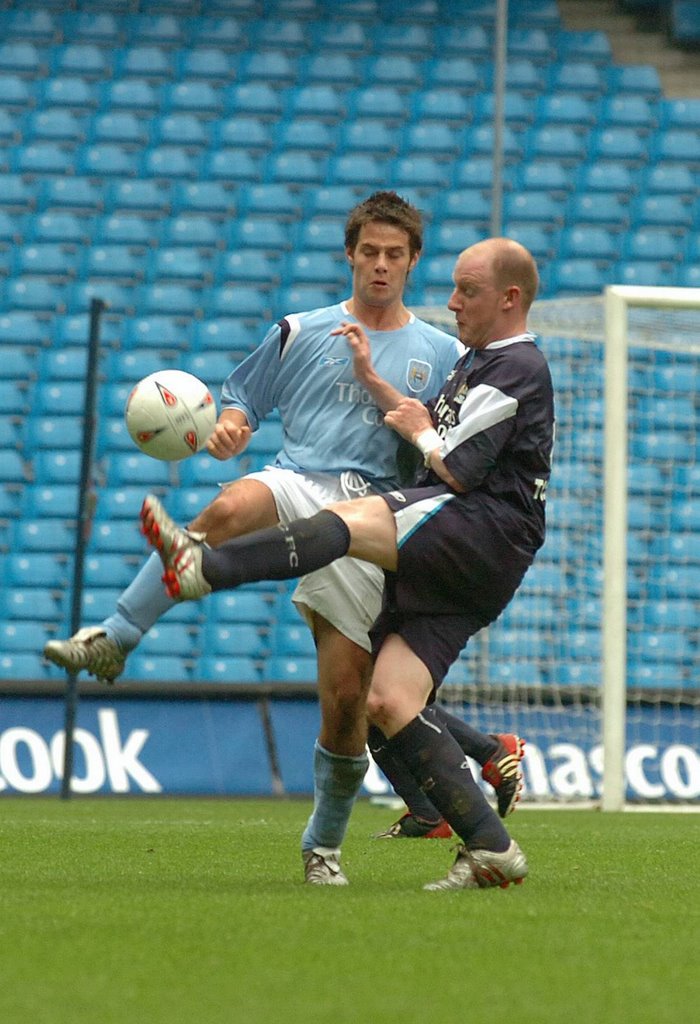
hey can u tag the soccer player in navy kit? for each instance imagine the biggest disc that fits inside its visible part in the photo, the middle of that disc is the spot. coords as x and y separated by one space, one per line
454 548
335 447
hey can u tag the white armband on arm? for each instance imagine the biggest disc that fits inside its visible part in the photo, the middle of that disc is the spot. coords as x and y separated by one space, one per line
427 442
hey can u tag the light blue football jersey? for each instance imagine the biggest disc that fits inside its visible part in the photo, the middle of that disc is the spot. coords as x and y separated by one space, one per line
331 423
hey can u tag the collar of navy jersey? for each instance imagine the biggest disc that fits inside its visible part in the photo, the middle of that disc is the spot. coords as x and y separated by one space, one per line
527 336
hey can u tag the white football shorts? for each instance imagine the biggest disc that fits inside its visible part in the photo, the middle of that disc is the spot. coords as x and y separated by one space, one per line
347 593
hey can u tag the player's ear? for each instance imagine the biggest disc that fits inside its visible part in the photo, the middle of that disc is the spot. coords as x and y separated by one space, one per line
350 257
414 260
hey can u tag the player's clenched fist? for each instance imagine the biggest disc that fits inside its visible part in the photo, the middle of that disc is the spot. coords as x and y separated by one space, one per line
230 435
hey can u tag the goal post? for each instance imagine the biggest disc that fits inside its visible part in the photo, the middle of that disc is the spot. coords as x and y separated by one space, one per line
596 662
619 301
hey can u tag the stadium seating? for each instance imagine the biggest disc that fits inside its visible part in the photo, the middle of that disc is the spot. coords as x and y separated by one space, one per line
195 170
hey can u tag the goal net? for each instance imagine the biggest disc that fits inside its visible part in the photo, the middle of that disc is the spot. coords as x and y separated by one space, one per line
596 662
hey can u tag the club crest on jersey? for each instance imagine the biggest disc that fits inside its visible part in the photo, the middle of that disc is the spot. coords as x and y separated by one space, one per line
334 360
461 393
418 375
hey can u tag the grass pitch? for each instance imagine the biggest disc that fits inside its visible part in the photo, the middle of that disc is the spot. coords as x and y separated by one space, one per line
172 911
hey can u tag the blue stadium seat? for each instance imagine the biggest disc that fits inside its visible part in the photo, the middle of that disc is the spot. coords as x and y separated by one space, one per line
253 98
331 68
271 66
18 362
169 638
281 33
579 276
92 26
297 167
534 207
317 267
161 668
119 536
442 105
46 534
341 37
589 45
136 94
23 665
52 432
385 101
227 333
37 26
618 143
170 299
18 194
117 262
34 293
38 569
70 91
572 109
669 178
654 273
260 231
175 264
545 175
365 169
45 606
303 133
226 669
180 129
214 64
286 669
541 241
237 639
145 61
148 196
40 499
325 234
653 243
125 469
255 265
367 134
158 28
211 367
472 205
44 158
642 79
240 606
559 141
278 198
236 301
590 242
662 210
582 76
317 100
201 470
244 131
19 635
628 110
333 200
203 197
607 209
299 298
128 228
56 125
607 176
169 162
212 30
454 71
196 230
85 59
12 465
155 332
12 227
421 171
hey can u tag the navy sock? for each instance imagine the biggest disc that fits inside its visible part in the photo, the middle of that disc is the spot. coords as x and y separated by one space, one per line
438 765
478 745
282 552
400 777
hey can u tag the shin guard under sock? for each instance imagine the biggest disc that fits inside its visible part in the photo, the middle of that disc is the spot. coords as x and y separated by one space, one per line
400 777
337 780
438 765
282 552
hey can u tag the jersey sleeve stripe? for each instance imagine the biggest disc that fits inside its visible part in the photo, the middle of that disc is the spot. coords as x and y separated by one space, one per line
483 407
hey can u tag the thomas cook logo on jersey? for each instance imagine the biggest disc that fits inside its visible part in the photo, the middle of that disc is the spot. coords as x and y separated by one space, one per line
334 360
418 375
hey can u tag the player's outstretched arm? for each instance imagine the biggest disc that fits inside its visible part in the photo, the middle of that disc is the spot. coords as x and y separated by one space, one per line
384 394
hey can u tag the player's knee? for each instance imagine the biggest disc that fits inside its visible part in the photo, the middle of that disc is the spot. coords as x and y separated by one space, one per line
382 709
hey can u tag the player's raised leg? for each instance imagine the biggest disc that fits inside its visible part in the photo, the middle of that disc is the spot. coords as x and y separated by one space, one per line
101 650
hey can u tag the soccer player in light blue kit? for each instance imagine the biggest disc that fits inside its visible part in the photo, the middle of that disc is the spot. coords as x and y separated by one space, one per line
335 448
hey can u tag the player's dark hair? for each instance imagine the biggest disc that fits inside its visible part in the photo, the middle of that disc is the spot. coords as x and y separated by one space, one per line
388 208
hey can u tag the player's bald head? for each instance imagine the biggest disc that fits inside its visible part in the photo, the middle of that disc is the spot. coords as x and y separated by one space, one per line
508 263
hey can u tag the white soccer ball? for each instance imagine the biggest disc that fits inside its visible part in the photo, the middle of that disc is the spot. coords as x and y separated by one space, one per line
170 415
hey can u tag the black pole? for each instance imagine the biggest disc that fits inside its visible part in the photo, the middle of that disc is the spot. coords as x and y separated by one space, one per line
86 510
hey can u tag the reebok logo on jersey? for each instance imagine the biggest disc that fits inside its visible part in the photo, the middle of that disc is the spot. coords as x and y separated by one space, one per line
334 360
418 375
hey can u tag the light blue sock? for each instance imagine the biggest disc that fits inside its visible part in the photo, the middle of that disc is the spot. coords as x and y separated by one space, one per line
140 606
337 780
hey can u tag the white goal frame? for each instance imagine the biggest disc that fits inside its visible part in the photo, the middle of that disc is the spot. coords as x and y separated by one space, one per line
618 300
